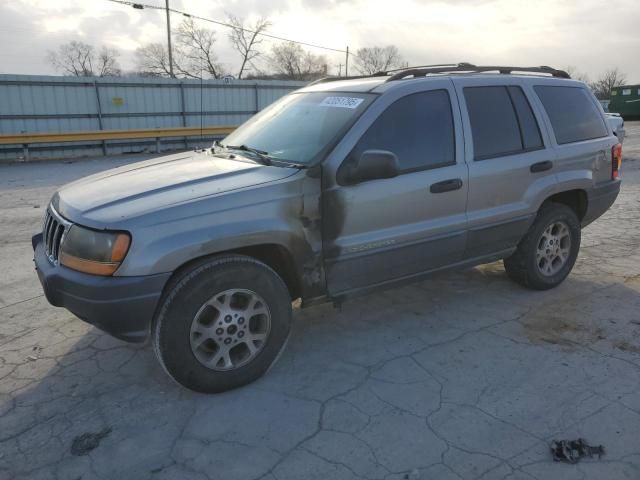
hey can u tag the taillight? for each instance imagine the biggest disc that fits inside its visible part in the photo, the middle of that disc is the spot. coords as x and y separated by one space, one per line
616 161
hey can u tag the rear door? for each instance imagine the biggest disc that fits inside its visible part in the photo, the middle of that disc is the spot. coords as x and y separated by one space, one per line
508 157
389 229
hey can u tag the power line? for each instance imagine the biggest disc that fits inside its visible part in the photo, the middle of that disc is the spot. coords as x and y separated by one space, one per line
141 6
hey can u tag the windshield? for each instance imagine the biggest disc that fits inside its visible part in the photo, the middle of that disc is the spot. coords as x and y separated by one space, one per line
299 126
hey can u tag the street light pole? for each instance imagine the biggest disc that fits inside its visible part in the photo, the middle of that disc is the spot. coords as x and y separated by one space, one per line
169 38
346 63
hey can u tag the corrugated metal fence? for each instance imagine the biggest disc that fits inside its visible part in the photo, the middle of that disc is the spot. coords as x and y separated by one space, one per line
30 104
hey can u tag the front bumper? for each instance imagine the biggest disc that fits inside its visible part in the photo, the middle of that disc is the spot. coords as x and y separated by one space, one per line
121 306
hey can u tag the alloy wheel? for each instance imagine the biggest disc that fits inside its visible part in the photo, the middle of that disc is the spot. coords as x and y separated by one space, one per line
230 329
554 248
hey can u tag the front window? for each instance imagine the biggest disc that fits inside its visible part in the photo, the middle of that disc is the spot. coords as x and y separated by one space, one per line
300 126
417 128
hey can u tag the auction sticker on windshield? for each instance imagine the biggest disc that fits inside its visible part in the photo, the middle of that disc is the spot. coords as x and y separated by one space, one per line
341 102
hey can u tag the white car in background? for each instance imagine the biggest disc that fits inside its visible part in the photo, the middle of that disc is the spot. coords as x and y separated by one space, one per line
617 125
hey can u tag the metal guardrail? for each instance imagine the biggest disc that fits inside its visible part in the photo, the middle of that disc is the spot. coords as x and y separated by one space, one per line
71 104
27 139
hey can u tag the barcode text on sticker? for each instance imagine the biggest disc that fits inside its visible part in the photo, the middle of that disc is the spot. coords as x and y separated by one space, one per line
341 102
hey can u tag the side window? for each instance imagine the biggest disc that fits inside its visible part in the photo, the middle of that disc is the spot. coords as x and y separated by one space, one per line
573 114
494 125
529 129
418 128
502 122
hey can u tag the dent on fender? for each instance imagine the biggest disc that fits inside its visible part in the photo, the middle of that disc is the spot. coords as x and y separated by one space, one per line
312 274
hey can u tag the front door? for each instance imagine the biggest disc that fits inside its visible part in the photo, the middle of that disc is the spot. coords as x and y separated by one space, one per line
379 231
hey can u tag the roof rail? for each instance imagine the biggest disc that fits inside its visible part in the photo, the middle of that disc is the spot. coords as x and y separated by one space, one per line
470 68
355 77
381 73
424 70
426 66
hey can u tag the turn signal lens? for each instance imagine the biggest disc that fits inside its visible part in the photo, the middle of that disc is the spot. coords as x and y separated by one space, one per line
94 252
88 266
616 161
120 247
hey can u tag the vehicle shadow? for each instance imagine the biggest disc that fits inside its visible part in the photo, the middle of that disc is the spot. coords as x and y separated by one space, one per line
87 405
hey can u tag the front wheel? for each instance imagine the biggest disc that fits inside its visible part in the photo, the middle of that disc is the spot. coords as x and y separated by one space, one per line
222 324
548 251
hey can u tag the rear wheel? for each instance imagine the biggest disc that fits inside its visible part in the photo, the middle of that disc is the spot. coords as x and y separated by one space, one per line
548 251
222 324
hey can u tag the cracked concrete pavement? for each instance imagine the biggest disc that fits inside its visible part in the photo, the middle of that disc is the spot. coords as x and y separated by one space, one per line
463 376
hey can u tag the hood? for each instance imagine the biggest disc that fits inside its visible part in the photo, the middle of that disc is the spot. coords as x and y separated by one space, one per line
151 185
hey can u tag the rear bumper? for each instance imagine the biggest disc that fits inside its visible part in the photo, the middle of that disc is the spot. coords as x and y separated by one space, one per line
121 306
600 200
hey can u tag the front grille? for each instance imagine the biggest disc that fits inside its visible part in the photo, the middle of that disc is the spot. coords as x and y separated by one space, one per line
52 234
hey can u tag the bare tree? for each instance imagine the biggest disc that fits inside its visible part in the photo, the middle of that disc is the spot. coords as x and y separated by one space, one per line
195 55
291 62
245 42
107 63
608 81
576 74
153 60
79 59
377 59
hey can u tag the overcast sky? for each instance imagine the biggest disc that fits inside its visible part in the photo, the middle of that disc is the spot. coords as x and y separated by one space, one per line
592 35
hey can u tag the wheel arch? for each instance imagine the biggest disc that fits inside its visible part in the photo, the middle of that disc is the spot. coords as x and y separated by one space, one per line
576 199
276 256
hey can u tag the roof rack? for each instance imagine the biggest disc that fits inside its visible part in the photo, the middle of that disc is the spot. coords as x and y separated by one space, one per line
470 68
384 73
424 70
355 77
426 66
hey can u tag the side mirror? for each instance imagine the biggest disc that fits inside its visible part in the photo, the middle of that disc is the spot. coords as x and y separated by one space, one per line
372 165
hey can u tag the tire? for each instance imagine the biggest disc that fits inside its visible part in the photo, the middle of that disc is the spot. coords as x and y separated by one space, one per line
530 265
200 335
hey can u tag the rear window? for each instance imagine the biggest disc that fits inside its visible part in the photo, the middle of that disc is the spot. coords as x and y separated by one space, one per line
573 114
502 122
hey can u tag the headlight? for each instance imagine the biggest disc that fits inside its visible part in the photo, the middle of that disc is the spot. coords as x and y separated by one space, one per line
92 251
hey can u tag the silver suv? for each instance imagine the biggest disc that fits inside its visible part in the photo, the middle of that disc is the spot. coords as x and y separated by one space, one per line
340 188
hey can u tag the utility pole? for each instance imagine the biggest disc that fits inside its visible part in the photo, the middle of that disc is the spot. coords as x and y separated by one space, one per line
339 69
169 39
346 64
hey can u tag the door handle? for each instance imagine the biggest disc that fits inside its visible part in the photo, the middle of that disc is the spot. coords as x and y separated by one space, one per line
541 166
446 186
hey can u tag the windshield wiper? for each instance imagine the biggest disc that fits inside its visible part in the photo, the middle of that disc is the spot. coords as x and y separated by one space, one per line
261 154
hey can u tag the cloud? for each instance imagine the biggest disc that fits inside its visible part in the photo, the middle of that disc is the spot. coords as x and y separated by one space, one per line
593 35
28 33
